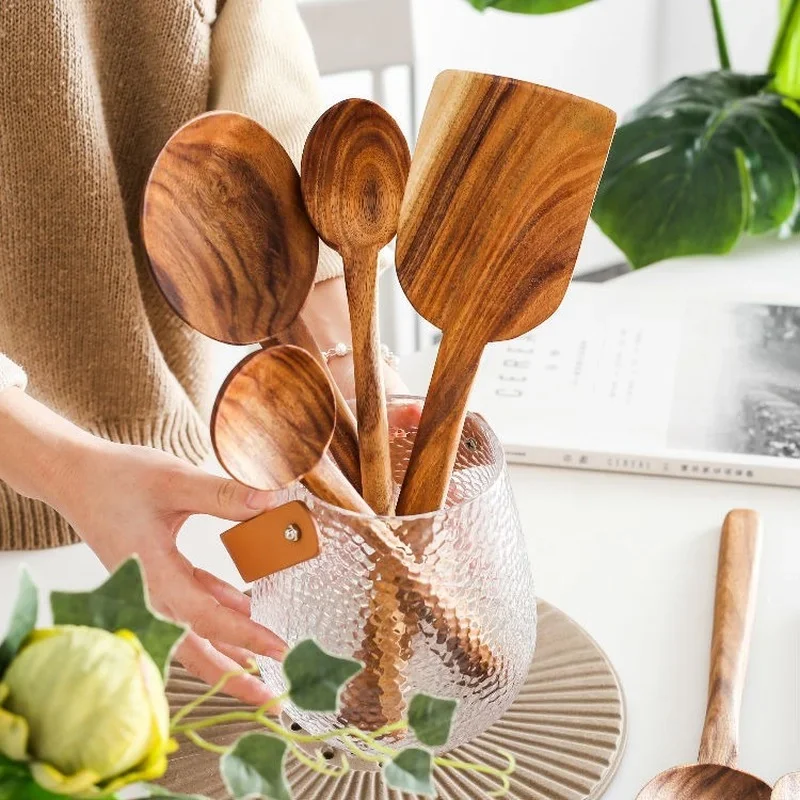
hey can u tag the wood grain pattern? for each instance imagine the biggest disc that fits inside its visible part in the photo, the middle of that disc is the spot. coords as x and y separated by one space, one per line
231 246
734 611
344 444
499 194
273 418
787 788
224 226
354 171
716 776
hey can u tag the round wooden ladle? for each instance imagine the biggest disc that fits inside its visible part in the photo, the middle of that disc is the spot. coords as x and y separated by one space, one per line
716 776
231 246
353 175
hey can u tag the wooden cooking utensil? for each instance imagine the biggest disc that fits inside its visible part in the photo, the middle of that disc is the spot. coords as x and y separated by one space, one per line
499 194
272 423
787 788
230 243
272 420
716 776
353 175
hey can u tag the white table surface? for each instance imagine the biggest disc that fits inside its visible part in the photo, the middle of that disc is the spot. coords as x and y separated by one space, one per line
632 559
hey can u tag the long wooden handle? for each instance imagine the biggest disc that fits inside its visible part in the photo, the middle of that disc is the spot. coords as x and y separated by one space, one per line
439 432
734 609
328 483
361 275
344 445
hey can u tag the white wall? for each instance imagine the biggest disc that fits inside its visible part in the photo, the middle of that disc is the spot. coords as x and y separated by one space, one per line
686 35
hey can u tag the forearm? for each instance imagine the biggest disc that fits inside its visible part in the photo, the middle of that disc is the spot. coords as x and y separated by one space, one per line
37 447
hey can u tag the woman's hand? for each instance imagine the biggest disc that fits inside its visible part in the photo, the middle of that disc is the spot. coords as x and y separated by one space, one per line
122 500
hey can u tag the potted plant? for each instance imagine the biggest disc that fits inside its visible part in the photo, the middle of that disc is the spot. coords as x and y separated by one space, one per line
83 710
708 159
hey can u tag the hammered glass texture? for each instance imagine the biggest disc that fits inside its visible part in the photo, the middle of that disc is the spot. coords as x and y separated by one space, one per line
455 619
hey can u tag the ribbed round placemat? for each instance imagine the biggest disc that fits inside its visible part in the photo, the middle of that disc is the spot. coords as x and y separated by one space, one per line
566 730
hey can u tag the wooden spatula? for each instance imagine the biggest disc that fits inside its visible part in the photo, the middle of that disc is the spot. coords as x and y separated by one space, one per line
499 194
231 246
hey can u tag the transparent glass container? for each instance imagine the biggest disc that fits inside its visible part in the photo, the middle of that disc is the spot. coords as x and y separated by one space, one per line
454 615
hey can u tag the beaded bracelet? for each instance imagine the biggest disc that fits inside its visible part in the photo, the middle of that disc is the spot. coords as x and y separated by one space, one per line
340 349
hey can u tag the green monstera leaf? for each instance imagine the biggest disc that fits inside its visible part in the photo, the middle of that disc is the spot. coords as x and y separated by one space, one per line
528 6
121 603
706 160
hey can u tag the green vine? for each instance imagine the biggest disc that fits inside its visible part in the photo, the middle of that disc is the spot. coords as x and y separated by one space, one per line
381 753
719 30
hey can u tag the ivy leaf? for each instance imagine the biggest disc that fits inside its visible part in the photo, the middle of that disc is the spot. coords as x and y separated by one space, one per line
254 768
316 678
705 160
121 602
430 718
528 6
23 620
411 770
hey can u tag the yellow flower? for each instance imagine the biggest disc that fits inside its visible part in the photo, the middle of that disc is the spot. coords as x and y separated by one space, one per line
87 709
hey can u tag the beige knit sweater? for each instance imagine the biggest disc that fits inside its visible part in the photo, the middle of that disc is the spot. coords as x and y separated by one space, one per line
89 92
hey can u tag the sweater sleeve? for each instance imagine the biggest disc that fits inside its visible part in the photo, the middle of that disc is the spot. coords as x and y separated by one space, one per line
11 374
262 65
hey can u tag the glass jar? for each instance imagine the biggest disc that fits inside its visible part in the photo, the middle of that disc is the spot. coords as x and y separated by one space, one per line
453 615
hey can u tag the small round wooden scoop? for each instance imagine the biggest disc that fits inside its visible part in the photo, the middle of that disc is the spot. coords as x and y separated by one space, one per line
353 175
499 194
272 423
231 246
788 787
716 776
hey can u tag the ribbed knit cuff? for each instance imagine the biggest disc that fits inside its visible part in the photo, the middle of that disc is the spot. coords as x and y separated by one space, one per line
11 374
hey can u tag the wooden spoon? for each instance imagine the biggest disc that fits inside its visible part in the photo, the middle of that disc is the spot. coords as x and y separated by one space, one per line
230 243
716 776
272 422
499 194
353 175
787 788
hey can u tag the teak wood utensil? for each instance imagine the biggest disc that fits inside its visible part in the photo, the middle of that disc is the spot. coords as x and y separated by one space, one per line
353 175
787 788
272 423
716 776
499 194
231 246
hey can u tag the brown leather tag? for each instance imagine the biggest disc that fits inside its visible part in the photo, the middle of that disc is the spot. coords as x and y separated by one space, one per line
273 541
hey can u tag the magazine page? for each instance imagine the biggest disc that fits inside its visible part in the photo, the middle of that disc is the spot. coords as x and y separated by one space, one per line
608 379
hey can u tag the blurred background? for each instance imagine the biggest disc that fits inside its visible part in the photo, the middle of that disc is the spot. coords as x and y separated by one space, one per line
617 52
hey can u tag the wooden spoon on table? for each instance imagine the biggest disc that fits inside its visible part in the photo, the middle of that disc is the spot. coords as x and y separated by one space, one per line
499 194
353 175
787 788
716 776
231 246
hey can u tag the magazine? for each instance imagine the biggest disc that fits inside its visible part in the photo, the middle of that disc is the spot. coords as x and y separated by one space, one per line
610 382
